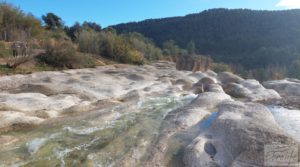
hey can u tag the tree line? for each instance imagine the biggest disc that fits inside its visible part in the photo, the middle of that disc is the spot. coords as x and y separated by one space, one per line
250 40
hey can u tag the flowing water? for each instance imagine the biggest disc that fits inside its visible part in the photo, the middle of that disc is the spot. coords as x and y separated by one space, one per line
117 136
287 119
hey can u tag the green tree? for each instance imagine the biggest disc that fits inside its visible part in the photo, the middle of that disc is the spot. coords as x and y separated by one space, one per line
171 49
52 21
191 48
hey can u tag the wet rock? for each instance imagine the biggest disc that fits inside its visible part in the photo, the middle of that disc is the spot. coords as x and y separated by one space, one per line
135 77
214 88
186 84
237 137
249 89
16 120
31 102
7 140
202 85
252 90
182 119
131 96
289 89
33 88
226 78
286 87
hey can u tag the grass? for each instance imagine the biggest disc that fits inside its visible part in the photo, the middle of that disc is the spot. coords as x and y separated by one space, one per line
4 70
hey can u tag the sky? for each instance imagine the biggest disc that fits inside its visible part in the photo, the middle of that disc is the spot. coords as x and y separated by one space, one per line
111 12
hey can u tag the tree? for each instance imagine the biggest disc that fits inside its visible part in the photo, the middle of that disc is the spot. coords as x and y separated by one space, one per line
191 48
171 49
92 25
52 21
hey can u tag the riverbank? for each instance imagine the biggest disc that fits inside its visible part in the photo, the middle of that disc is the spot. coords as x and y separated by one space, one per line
124 115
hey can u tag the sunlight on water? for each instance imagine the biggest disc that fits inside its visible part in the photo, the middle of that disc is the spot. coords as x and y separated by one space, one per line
289 120
118 137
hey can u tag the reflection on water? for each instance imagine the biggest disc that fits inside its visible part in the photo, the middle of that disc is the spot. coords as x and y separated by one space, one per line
119 137
289 120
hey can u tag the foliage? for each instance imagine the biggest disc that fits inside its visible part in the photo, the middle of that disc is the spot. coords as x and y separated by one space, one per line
294 70
16 25
88 41
143 45
5 50
170 48
73 31
52 21
254 39
63 54
118 49
191 48
220 67
274 72
108 44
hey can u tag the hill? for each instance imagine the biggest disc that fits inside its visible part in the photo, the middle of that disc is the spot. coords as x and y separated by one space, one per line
253 39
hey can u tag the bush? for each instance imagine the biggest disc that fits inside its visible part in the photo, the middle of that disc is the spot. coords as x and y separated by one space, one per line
108 44
4 51
221 67
64 55
88 41
143 45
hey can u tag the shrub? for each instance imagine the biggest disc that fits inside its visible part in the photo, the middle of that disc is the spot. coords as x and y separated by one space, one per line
4 51
221 67
117 48
143 45
88 41
63 54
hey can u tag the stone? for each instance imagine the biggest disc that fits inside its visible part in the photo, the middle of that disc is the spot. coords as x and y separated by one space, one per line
237 137
226 78
251 90
17 120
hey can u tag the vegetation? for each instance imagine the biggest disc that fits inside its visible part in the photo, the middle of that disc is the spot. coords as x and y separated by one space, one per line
143 45
221 67
5 50
63 54
108 44
294 70
69 47
16 25
256 44
254 40
52 21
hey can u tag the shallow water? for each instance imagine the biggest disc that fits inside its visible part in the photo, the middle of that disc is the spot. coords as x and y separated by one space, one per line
117 136
289 120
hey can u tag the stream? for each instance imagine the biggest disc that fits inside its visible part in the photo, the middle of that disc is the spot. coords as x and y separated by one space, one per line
116 136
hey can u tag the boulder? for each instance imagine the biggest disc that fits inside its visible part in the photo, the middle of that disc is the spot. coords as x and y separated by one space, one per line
180 120
285 87
17 120
186 84
227 77
237 137
251 90
289 89
203 84
214 88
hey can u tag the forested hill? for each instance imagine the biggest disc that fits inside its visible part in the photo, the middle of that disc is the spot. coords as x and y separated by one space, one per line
254 39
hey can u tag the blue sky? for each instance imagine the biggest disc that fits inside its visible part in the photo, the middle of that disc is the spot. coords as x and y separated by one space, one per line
110 12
